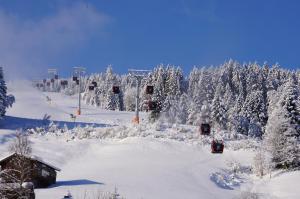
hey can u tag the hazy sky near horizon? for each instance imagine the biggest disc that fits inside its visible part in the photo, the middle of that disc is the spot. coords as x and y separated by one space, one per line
36 35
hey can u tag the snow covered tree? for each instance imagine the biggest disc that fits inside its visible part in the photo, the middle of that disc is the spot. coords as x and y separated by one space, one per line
176 109
255 111
219 112
202 93
129 99
110 101
282 130
205 114
5 100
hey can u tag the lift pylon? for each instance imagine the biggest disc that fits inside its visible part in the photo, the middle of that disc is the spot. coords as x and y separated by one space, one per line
138 75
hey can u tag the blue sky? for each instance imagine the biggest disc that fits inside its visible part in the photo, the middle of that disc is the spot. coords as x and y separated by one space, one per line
36 35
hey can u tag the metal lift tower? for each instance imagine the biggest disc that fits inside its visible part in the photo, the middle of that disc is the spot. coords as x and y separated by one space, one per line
79 71
53 73
138 75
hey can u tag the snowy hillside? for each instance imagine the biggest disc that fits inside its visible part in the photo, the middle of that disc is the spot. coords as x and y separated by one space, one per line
147 161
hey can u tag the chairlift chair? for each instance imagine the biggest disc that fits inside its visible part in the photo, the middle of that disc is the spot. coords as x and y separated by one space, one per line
205 129
116 89
217 146
64 83
149 90
152 105
94 83
91 88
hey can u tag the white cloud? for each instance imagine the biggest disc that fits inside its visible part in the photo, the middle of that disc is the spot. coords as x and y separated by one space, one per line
27 46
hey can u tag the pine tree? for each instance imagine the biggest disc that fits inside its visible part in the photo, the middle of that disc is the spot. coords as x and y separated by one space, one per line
255 110
3 93
282 130
219 112
110 103
5 100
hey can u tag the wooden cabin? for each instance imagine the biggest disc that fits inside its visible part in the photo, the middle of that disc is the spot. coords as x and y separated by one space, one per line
41 174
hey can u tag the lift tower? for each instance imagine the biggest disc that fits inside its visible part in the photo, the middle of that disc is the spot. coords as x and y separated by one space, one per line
53 74
138 75
79 71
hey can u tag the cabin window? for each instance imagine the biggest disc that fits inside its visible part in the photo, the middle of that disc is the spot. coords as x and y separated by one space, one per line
45 173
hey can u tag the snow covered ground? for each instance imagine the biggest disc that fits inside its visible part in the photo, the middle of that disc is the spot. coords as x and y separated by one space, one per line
159 162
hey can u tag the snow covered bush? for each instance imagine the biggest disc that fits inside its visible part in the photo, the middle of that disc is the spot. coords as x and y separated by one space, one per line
248 195
261 163
96 194
231 177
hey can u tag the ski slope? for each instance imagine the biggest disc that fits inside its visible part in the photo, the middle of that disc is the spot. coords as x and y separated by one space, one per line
140 167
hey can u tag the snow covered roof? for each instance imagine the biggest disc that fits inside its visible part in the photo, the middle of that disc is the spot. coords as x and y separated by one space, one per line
39 159
36 158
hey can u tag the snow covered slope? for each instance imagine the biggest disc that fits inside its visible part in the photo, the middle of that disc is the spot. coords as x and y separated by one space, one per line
140 167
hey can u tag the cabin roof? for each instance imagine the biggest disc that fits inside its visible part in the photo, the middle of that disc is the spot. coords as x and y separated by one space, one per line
36 158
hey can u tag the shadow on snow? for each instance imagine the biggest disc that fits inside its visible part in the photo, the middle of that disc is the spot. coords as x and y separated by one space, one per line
14 123
4 138
75 183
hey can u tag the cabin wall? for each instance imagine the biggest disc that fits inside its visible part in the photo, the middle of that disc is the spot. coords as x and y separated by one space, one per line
43 175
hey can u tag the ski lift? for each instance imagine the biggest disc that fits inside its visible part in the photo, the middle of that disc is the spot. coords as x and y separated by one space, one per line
75 78
217 146
52 80
149 90
55 76
205 129
91 88
116 89
94 83
64 83
152 105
